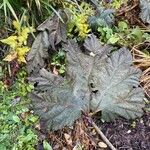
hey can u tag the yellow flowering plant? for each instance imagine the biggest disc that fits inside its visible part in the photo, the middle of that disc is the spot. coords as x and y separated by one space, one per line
79 19
116 4
18 43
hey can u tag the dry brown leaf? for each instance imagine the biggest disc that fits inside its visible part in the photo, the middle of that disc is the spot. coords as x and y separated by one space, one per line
11 56
55 71
68 139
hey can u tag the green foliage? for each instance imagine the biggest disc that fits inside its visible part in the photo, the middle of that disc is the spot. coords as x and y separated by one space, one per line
122 35
15 119
35 10
108 35
58 61
7 8
46 145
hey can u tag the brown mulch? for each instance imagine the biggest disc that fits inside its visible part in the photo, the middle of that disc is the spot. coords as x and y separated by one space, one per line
81 134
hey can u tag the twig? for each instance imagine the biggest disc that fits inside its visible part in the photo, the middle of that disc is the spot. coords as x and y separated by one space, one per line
104 138
140 23
127 9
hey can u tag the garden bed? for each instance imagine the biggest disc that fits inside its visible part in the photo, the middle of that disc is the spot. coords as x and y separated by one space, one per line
75 75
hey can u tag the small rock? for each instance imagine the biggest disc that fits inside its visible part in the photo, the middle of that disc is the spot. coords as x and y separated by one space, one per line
92 54
129 131
38 126
102 145
31 111
141 121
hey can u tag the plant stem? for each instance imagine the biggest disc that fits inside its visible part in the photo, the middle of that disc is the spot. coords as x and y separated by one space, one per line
104 138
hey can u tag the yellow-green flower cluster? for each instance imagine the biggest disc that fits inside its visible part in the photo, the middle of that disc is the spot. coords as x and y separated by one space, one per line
18 43
79 19
82 27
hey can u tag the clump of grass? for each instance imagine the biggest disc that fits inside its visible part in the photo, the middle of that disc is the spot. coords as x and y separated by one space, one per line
36 10
142 60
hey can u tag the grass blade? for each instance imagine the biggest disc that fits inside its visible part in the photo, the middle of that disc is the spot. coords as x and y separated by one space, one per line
54 10
12 11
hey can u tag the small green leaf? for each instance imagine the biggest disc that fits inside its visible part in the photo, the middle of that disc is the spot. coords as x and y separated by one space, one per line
122 26
33 118
109 32
137 33
62 69
46 145
113 39
16 118
30 87
2 147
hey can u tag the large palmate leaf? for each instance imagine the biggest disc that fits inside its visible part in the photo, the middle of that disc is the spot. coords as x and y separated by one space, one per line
104 81
79 66
114 82
38 53
57 105
56 29
45 80
52 32
92 44
63 98
115 86
145 10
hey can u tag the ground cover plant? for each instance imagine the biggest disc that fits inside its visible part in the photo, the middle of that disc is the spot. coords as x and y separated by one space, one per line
70 70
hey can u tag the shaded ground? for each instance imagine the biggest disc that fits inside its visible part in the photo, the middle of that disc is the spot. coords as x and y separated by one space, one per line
127 135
